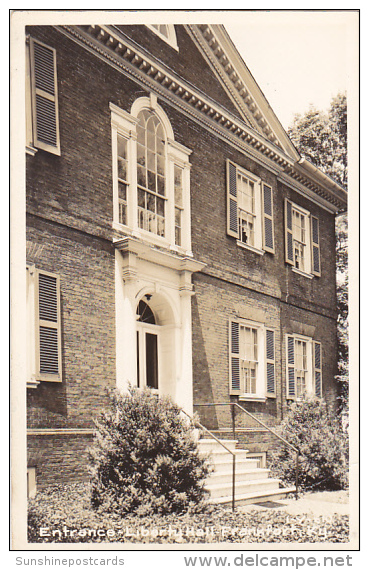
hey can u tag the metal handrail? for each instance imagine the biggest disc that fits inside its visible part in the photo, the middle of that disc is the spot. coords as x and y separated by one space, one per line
199 425
233 405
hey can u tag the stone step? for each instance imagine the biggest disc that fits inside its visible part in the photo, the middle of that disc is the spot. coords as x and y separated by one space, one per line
255 497
224 461
242 474
208 445
244 487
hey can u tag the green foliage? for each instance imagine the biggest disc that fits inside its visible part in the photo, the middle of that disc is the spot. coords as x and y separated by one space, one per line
323 444
145 458
322 138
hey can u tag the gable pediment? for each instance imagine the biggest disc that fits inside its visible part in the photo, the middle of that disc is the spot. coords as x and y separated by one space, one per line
240 84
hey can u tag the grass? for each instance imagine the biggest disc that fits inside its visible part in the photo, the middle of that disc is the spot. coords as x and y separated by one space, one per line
63 514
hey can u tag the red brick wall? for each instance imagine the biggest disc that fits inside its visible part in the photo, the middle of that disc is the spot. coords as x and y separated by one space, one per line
86 269
74 193
58 458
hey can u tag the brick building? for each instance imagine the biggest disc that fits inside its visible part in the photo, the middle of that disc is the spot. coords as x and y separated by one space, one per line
175 237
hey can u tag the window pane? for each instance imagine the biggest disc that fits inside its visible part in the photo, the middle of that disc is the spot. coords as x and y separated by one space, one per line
141 198
141 133
160 165
151 161
151 180
151 140
151 202
122 169
160 206
122 192
160 145
141 176
161 185
122 147
141 155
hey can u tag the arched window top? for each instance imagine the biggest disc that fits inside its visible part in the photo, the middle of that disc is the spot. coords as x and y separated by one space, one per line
166 32
145 314
149 113
149 122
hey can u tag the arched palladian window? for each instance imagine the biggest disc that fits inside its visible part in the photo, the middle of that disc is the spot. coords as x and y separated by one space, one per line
151 155
151 176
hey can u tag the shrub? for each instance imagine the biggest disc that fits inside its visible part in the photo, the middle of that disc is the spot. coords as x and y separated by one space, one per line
145 458
63 514
323 444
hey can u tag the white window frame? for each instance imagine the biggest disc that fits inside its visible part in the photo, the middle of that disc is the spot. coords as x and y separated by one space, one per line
125 125
310 380
262 211
170 39
307 247
308 270
261 393
257 214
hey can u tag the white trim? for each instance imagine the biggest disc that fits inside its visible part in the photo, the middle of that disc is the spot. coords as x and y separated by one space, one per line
250 247
261 384
258 213
310 383
308 275
172 37
124 124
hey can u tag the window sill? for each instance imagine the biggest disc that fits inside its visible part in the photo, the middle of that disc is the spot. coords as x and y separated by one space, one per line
308 275
251 398
151 239
32 383
31 150
250 247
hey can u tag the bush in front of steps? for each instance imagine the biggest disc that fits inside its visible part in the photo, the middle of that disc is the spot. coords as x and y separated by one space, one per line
324 448
145 458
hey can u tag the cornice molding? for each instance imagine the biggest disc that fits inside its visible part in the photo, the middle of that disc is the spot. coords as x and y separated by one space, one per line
131 247
203 37
122 52
116 49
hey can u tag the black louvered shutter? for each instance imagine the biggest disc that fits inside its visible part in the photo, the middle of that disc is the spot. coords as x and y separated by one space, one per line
234 343
232 207
268 230
288 232
44 97
49 326
270 361
315 247
291 384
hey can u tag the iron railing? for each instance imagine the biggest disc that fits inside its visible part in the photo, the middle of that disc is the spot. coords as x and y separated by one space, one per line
197 424
286 443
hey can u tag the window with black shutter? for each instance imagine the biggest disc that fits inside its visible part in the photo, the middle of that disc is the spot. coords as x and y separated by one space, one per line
44 97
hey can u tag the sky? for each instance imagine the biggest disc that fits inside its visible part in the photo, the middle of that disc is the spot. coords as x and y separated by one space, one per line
297 58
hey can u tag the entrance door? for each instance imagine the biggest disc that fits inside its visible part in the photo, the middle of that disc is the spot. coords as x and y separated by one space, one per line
147 348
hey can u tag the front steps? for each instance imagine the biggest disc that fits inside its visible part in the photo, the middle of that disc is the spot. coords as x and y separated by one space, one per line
253 484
